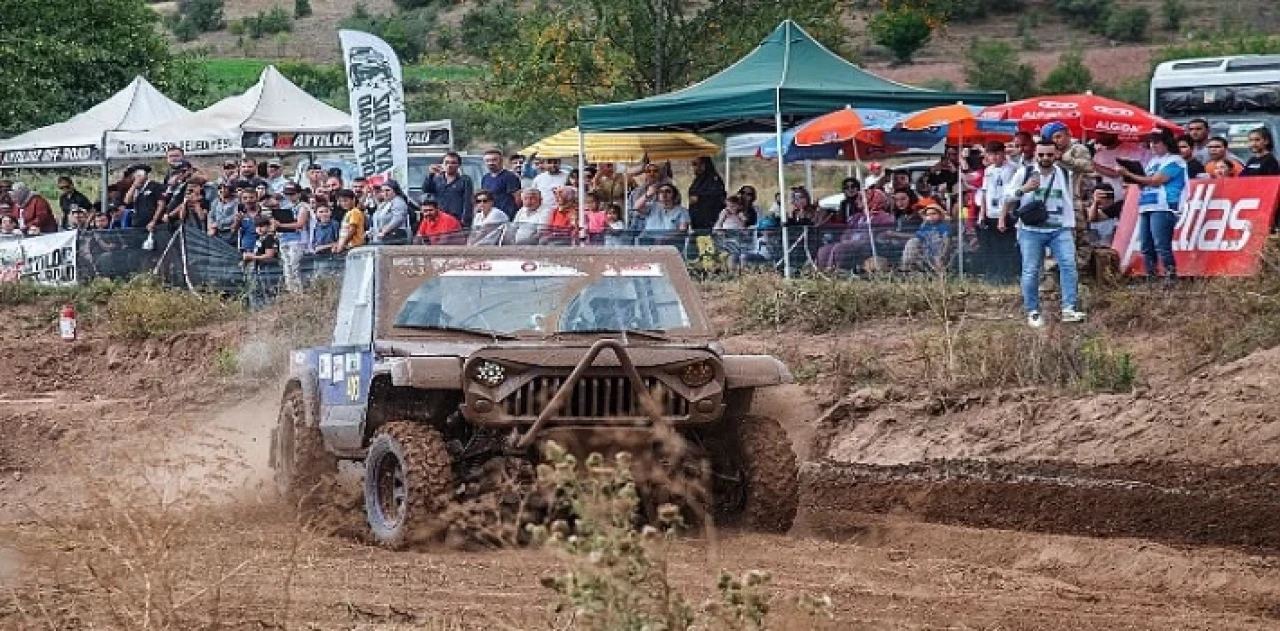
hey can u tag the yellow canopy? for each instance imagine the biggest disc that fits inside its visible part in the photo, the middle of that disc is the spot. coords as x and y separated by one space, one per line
624 146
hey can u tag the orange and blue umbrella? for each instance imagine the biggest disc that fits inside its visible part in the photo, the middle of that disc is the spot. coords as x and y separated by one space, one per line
958 123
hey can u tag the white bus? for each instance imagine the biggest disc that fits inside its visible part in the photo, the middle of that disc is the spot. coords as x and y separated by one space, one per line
1235 94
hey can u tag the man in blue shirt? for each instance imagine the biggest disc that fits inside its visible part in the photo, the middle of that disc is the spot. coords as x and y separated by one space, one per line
501 183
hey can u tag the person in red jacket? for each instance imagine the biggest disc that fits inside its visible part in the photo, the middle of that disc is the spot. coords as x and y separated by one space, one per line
33 209
437 228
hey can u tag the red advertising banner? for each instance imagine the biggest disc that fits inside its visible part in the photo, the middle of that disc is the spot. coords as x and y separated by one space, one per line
1221 231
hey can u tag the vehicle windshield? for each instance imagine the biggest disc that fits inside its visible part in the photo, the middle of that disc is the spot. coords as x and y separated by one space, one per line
537 298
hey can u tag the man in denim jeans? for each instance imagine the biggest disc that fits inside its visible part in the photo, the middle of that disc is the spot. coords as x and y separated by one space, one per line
1050 183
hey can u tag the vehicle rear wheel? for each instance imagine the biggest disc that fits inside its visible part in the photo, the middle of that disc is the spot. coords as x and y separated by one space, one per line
407 479
756 481
298 456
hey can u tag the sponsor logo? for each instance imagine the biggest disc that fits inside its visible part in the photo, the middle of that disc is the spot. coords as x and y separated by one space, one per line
1117 127
1057 105
1211 224
1113 111
54 155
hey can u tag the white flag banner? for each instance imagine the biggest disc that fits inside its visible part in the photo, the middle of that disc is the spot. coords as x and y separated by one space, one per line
49 259
376 85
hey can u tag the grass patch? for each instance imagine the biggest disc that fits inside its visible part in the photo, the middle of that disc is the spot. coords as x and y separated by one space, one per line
1007 355
144 308
824 304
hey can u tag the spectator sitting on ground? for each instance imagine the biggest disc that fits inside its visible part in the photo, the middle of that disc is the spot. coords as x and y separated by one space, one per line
436 227
490 221
530 220
930 248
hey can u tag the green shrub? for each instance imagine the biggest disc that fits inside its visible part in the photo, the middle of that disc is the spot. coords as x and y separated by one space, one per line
487 26
203 15
1070 76
236 27
903 30
1086 14
409 5
993 65
1128 24
301 8
405 33
277 20
185 31
1173 12
144 308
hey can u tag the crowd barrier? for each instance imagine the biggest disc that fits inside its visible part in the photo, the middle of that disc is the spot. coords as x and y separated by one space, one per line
190 258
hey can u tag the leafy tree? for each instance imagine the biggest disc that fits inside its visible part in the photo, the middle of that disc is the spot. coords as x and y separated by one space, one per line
994 65
64 56
902 30
405 33
1174 12
1128 24
487 26
1070 76
1086 14
301 8
409 5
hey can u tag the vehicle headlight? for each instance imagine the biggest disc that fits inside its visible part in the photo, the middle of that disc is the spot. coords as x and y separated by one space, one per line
489 373
698 374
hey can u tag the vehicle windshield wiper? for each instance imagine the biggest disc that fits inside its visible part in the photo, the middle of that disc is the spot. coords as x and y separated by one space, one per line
652 334
498 335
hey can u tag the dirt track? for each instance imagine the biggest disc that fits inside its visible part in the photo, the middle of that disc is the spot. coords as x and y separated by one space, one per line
954 543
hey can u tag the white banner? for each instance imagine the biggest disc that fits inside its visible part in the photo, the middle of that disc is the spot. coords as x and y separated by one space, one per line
49 259
376 85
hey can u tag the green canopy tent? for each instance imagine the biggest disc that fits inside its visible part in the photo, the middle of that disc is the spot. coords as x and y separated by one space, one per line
787 78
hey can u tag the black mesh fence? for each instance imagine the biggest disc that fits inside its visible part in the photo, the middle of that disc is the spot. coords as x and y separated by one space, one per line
190 258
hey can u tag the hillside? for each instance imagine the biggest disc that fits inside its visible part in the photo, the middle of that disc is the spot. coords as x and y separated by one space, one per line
1039 32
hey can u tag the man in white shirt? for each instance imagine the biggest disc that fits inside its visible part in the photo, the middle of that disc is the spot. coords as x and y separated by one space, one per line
530 221
1109 149
549 180
1048 183
488 222
997 258
276 181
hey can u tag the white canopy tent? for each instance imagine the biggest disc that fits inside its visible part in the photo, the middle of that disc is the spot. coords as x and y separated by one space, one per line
78 141
272 116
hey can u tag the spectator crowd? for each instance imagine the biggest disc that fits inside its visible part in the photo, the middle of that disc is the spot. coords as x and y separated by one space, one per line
886 220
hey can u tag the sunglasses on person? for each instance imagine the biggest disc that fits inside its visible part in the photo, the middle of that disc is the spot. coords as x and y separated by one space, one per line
483 200
1046 155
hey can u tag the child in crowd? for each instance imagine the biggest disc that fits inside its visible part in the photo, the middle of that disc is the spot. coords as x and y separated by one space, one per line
930 247
324 236
597 218
733 216
616 226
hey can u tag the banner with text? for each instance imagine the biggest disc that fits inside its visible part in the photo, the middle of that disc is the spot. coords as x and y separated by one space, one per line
376 85
48 259
1221 231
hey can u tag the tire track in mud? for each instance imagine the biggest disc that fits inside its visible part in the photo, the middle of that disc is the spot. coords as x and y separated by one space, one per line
1229 506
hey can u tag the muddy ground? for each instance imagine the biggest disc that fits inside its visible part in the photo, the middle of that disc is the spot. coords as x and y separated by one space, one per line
1018 510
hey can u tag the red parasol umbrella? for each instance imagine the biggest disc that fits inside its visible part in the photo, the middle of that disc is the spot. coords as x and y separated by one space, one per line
1083 114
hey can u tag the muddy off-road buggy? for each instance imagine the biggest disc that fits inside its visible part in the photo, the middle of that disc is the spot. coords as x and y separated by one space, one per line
447 358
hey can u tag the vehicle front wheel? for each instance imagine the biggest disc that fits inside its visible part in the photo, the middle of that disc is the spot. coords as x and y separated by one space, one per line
756 481
407 479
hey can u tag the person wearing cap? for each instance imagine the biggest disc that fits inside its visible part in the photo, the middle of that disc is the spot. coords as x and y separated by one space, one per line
315 176
276 181
1162 188
143 196
1048 183
1073 156
260 262
223 211
389 223
293 227
436 227
875 173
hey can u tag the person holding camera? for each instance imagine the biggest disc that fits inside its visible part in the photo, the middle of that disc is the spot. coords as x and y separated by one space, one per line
1039 204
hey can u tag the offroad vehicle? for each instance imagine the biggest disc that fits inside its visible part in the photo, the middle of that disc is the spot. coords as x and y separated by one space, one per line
445 358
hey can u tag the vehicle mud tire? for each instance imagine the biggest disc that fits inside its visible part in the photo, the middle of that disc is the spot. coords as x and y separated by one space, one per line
407 480
759 468
302 466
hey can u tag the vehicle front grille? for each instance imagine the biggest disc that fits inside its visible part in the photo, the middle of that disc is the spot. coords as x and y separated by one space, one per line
594 397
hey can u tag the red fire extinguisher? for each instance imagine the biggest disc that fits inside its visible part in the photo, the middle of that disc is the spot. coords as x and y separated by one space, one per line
67 322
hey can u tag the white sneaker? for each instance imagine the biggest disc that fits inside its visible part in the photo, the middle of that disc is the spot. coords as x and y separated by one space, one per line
1071 315
1033 319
